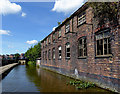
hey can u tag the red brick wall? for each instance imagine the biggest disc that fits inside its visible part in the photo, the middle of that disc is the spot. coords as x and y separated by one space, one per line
92 67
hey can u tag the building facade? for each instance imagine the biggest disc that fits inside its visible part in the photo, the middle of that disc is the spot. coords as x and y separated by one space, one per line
78 44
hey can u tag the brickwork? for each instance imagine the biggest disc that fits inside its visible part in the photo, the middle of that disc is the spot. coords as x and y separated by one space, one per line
103 69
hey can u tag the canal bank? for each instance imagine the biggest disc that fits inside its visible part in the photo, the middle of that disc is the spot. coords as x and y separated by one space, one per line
24 78
4 70
76 76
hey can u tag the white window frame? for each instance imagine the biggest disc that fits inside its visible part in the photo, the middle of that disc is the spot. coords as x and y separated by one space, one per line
59 52
67 46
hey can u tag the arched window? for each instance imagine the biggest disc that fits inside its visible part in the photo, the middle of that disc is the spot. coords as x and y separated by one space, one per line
82 47
53 53
59 52
49 55
67 46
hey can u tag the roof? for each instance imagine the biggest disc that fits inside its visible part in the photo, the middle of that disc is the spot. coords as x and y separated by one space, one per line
67 19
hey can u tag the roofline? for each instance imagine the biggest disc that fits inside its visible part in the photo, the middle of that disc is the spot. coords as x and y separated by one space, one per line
84 6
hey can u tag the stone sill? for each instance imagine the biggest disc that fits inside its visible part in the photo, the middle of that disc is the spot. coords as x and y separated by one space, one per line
103 56
82 57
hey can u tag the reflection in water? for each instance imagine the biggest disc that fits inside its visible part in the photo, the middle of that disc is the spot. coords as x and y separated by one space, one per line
31 79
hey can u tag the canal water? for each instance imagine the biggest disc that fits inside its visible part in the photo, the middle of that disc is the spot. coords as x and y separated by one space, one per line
31 79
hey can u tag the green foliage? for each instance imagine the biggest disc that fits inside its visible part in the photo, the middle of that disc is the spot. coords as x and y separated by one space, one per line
106 11
81 84
31 63
34 52
59 23
17 55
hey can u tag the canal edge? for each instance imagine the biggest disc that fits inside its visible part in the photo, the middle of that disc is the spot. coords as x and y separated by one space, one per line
100 85
5 72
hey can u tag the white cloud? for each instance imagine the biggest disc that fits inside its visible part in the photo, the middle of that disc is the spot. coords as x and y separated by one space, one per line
6 7
23 14
32 42
4 32
67 6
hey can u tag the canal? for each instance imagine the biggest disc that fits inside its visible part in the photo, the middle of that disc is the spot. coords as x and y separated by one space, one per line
31 79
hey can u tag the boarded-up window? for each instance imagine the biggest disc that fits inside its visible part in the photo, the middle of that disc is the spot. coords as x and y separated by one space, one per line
67 27
81 18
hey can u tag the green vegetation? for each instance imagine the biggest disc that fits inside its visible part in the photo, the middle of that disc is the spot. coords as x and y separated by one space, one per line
106 11
81 84
31 63
33 53
59 23
17 55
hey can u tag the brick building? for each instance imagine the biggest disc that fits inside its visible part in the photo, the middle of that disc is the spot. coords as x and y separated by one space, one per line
78 44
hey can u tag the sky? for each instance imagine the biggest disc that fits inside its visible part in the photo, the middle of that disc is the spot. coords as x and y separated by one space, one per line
24 24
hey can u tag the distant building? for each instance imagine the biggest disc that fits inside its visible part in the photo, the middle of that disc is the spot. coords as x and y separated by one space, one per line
1 57
11 56
22 56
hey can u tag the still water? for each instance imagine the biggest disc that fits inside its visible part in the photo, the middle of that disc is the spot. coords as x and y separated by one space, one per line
31 79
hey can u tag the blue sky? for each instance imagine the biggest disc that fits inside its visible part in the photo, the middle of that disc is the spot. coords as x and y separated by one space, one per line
34 21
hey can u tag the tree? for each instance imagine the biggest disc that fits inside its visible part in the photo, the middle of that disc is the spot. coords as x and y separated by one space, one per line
17 55
34 52
106 11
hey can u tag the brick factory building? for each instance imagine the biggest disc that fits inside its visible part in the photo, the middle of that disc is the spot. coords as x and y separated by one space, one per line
79 48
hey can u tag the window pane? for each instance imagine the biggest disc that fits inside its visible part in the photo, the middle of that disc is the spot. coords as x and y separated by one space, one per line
68 54
106 34
105 46
67 27
53 53
98 47
101 47
81 52
80 41
68 49
109 46
59 33
100 36
81 18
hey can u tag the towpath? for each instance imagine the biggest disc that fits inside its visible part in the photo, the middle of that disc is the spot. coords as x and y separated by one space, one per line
6 67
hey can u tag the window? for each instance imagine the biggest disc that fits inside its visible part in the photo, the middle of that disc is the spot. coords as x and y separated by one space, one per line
54 37
53 53
46 55
59 34
43 44
49 54
82 47
103 43
43 55
49 39
67 50
81 18
46 42
67 28
59 52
